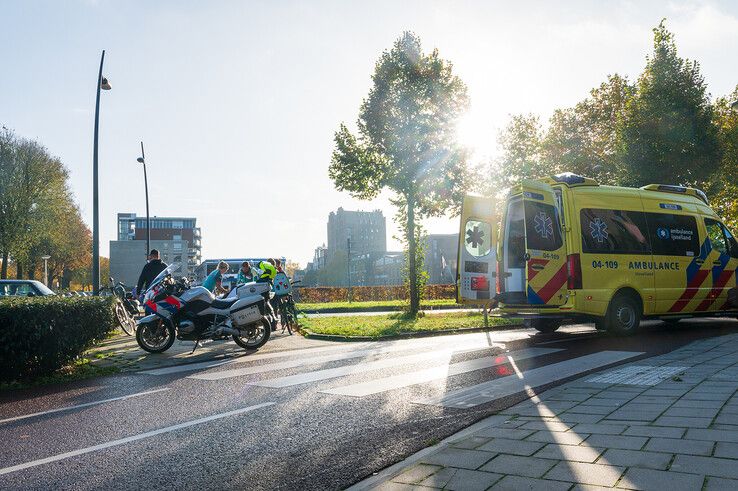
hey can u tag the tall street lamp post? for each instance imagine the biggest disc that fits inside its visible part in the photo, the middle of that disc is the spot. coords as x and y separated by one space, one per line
142 160
102 83
46 269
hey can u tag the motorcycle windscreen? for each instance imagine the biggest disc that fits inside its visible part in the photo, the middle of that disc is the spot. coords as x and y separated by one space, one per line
545 253
477 253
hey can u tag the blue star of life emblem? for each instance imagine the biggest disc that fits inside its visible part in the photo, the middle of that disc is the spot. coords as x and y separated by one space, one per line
598 230
543 225
662 233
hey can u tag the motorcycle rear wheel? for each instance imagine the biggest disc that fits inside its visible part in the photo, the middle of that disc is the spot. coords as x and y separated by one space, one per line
155 336
259 337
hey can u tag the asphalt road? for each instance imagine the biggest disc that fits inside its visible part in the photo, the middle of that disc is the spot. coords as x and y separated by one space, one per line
267 421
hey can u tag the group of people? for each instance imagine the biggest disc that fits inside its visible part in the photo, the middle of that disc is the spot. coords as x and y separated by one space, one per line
265 271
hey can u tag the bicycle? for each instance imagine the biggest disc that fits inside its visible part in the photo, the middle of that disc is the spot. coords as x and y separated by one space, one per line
123 317
287 313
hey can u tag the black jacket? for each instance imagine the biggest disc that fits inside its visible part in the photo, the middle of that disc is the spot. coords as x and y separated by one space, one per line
150 271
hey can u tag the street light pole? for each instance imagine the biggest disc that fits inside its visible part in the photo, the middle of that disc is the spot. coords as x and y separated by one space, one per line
102 83
46 269
142 159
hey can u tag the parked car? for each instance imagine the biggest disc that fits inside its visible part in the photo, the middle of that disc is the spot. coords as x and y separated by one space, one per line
23 288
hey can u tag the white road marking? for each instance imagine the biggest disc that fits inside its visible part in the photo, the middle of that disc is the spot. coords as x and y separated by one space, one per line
87 404
536 377
567 340
122 441
477 339
344 355
440 372
441 356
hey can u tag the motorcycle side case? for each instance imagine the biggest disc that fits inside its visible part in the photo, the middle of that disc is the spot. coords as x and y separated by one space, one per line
246 310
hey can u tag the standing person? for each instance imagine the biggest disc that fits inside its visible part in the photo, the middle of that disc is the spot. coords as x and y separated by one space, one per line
246 274
151 270
268 271
214 280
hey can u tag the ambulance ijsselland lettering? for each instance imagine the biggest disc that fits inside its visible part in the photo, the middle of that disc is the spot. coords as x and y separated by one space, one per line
600 233
664 234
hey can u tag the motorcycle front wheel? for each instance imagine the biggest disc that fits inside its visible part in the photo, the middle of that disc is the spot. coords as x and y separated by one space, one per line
257 337
155 336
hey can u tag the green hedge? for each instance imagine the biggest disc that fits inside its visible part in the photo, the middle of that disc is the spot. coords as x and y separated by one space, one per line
42 334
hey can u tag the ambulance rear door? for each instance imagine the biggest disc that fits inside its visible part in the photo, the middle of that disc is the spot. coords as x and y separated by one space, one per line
477 255
545 251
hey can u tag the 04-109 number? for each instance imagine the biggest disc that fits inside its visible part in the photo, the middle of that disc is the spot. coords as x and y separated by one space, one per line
605 264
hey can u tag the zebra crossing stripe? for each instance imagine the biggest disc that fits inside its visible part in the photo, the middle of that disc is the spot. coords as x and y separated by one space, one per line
476 343
370 387
440 356
536 377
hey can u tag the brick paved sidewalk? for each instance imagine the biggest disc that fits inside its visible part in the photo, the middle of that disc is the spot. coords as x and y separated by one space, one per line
664 423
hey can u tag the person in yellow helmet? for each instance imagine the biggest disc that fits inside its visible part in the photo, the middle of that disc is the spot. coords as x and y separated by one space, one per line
268 271
265 274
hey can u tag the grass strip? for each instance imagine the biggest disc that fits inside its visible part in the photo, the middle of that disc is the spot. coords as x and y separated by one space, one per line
80 369
396 324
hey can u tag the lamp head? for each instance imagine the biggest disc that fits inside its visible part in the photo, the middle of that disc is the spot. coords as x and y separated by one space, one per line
105 85
734 104
140 160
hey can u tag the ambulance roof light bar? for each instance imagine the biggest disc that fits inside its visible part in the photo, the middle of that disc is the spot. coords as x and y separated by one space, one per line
672 188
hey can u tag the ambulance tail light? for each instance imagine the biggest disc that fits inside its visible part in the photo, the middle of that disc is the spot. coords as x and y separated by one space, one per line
574 269
498 278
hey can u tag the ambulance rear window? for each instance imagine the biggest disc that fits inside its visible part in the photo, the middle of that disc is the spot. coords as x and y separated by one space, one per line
542 227
614 231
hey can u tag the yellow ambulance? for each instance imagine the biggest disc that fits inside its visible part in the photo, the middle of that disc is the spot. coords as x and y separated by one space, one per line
568 249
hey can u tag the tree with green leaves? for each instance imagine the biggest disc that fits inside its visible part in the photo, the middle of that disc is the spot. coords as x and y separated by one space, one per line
723 186
38 215
668 131
520 143
406 142
585 139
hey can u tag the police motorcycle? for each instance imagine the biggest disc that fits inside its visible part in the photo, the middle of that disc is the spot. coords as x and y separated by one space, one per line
180 311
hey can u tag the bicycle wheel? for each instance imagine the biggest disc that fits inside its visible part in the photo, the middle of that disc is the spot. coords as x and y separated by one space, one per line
124 319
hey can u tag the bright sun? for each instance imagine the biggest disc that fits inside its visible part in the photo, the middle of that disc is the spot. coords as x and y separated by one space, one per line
477 132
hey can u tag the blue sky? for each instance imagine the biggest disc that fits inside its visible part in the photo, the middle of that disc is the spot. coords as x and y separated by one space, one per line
237 102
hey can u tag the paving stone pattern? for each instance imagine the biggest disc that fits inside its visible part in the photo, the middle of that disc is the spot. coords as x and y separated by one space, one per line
599 432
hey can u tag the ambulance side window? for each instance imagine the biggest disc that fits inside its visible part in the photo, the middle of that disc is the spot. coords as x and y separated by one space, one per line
673 235
614 231
732 244
716 236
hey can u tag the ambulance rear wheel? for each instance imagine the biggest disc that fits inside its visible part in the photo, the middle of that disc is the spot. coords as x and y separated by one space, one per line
623 315
544 325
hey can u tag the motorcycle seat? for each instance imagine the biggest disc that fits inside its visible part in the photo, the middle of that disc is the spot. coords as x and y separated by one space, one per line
222 304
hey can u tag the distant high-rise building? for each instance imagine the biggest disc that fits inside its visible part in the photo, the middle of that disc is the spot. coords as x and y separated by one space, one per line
178 240
367 231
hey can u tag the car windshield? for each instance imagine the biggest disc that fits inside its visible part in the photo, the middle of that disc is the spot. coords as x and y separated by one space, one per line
43 289
168 270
